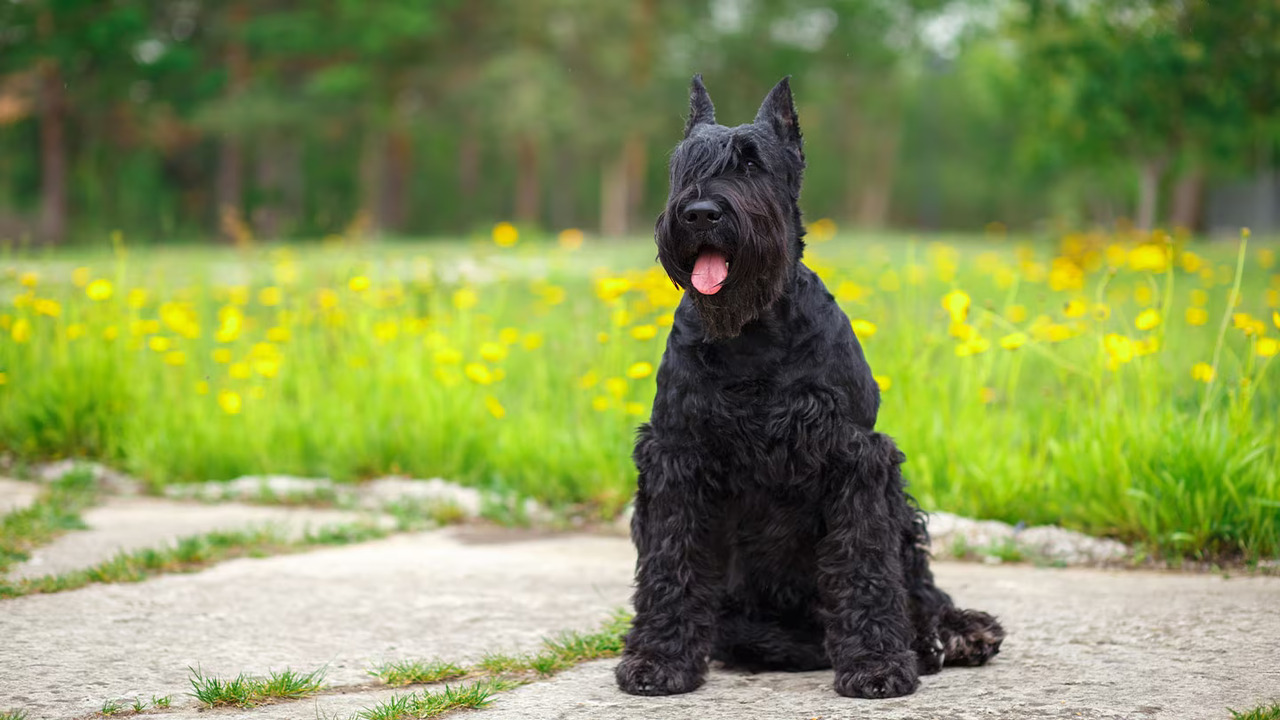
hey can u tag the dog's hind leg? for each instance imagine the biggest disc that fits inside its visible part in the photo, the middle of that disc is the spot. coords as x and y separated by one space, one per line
945 634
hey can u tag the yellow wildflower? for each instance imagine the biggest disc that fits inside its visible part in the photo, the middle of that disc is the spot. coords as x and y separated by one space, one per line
493 352
956 302
570 239
222 356
1199 297
240 371
230 402
478 373
1147 319
4 378
465 298
975 345
1075 309
600 403
602 337
1119 349
644 332
1275 318
1013 341
509 336
863 328
1197 316
494 407
1016 313
634 408
505 234
279 334
640 370
588 380
99 290
327 299
1267 347
29 279
110 332
160 343
447 356
270 296
1248 324
358 283
532 341
52 308
384 331
609 289
267 367
1203 372
616 386
75 331
822 230
202 387
884 382
1148 257
175 358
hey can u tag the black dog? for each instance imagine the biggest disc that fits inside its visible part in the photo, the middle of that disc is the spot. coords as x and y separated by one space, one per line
771 521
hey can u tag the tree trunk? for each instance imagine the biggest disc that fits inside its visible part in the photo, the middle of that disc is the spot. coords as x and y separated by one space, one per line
53 154
373 156
1187 196
637 164
266 214
613 196
564 206
528 185
877 188
468 174
229 195
395 187
1149 174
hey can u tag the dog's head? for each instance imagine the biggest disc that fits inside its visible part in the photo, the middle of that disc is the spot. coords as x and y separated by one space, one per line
731 233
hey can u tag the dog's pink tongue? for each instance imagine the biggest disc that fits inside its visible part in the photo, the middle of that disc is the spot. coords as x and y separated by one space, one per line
710 271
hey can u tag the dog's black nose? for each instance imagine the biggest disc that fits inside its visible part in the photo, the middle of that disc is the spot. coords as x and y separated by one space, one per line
701 214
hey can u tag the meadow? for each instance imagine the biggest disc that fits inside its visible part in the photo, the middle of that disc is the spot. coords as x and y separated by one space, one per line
1120 384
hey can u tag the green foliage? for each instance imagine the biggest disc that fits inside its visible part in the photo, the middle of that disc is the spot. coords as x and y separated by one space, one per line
244 691
54 512
1262 712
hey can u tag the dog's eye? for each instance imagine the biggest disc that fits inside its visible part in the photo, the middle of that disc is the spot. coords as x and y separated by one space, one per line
750 164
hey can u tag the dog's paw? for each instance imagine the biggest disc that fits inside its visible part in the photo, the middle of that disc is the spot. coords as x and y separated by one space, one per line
641 675
893 676
970 637
929 655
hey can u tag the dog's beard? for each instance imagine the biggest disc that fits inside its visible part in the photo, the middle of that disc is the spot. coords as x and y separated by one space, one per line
754 237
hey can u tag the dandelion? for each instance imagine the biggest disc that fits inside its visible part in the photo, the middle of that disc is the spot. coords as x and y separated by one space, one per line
493 352
4 378
1267 347
588 380
110 332
570 239
956 302
863 328
267 367
884 382
52 308
532 341
1197 316
270 296
1016 313
644 332
1248 324
1191 262
822 230
202 387
634 408
230 322
1013 341
358 284
478 373
384 331
1275 318
1148 257
160 343
222 356
609 289
29 279
99 290
137 298
1119 349
75 331
1075 309
1203 372
465 298
849 291
1147 319
616 386
509 336
602 337
240 371
505 234
447 356
600 403
640 370
278 334
176 358
494 407
230 402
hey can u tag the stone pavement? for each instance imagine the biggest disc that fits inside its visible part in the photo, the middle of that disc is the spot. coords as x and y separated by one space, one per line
1082 643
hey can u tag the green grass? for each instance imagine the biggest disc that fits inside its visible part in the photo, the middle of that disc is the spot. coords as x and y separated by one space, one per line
245 691
417 672
436 703
56 510
1262 712
496 672
528 379
13 715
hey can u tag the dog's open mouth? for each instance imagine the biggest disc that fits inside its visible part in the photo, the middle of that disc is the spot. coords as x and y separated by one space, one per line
710 271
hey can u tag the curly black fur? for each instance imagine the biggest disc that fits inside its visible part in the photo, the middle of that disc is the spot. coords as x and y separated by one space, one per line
771 520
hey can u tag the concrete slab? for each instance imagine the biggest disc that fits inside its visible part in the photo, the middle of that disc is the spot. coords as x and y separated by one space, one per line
1082 643
129 523
16 494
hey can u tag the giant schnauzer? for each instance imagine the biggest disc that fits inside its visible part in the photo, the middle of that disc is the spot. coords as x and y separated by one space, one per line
773 528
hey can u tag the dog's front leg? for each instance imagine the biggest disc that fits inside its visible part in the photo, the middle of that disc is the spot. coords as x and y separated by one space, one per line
860 574
677 576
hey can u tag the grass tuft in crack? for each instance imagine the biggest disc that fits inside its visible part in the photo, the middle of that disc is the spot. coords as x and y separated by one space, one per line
244 691
13 715
54 512
1262 712
417 672
434 704
501 672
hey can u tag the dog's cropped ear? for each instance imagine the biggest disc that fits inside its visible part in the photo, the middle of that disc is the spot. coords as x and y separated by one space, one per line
701 111
778 111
